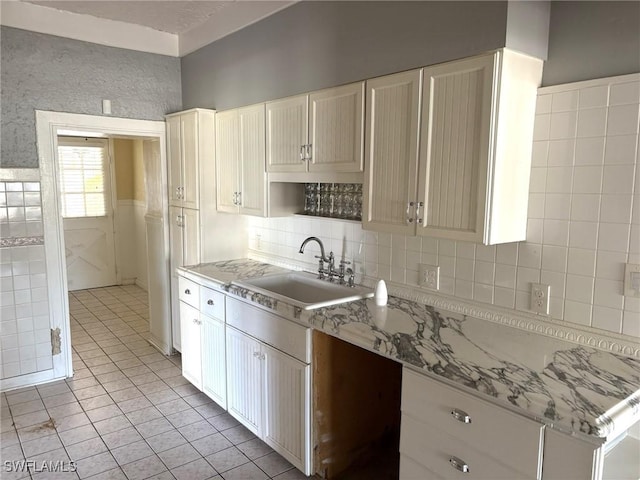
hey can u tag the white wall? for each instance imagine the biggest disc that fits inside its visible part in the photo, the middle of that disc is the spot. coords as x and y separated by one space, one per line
584 220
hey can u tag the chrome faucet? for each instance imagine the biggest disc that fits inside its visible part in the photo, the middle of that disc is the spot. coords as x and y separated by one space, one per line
322 258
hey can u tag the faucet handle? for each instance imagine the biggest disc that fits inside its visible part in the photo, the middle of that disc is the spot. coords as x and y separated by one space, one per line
344 262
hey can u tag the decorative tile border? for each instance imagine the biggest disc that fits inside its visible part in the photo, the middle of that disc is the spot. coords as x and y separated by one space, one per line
549 327
21 241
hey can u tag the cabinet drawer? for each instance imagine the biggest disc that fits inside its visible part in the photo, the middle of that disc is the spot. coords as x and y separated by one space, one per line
283 334
436 449
189 292
412 470
212 303
510 438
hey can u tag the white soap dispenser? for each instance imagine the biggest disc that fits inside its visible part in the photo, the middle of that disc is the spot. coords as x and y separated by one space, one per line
380 296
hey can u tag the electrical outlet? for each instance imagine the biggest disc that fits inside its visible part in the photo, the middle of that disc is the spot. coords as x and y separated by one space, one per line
540 298
429 276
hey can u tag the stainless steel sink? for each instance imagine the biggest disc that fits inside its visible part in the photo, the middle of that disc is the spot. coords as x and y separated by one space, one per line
304 290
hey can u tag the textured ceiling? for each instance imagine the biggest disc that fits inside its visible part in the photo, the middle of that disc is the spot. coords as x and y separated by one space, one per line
167 16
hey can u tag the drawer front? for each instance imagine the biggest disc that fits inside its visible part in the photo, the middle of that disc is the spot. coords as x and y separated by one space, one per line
283 334
412 470
437 450
189 292
506 436
212 303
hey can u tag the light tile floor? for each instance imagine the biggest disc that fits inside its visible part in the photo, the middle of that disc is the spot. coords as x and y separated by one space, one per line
127 413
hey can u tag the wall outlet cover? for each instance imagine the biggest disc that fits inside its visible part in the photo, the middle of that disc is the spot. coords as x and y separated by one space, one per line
632 280
540 294
429 276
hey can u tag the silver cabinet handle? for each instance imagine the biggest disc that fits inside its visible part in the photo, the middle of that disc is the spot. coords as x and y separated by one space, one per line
256 354
418 205
302 153
309 150
239 197
409 219
461 415
459 464
187 291
235 198
209 302
197 322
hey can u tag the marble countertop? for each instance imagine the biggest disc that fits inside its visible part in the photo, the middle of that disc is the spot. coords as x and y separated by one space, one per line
568 386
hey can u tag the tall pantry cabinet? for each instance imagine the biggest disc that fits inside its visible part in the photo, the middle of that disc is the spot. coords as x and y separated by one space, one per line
194 222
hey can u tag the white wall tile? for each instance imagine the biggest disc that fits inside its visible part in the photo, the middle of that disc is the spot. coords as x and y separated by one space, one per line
447 266
621 150
557 206
539 154
614 237
585 207
464 269
429 245
587 179
592 122
610 265
505 276
583 235
560 152
464 289
466 250
582 262
556 280
590 151
529 255
534 231
483 293
484 272
608 293
556 232
541 126
525 277
504 297
631 324
618 179
616 208
606 318
543 103
562 125
446 247
594 96
536 205
623 120
559 179
623 93
523 301
576 312
579 288
564 101
486 253
507 253
554 258
538 180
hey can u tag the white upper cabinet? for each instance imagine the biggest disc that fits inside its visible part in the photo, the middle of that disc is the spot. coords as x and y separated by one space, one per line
475 141
321 132
391 152
287 134
336 129
240 145
189 138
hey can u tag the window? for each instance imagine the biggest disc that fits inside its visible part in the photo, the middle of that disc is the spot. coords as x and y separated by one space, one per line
83 169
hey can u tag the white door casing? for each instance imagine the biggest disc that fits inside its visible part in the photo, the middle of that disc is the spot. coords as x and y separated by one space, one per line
47 126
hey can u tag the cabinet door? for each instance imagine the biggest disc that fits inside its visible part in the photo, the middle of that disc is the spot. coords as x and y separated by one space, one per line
227 142
190 236
174 150
391 152
336 129
189 132
252 189
214 376
287 127
287 407
454 150
244 380
191 353
176 239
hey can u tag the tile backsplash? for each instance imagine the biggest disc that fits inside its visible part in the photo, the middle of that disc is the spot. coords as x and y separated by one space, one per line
25 339
583 222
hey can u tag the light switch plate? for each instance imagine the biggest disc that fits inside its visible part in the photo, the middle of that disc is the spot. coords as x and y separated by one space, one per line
429 276
540 298
632 280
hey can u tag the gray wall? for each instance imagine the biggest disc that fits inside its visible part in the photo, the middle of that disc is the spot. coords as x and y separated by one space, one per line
45 72
592 40
314 45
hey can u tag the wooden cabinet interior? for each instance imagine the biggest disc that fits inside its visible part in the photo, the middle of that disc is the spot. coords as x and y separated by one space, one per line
356 399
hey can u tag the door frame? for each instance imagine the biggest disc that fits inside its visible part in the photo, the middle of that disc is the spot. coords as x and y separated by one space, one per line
47 126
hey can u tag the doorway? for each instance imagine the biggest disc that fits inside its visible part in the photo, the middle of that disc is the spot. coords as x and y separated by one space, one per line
51 125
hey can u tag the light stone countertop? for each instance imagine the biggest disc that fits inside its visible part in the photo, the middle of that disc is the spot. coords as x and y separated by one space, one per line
570 387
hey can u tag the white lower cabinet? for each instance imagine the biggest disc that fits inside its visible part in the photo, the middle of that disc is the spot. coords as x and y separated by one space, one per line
245 380
456 435
269 384
191 350
214 372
